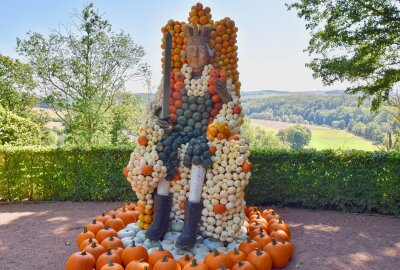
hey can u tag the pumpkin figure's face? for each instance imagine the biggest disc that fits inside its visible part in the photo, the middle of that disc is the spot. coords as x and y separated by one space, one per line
197 57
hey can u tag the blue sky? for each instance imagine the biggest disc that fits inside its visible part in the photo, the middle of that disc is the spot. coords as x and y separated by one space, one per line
270 38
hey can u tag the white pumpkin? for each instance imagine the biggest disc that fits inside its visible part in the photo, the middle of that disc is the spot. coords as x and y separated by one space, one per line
126 233
177 226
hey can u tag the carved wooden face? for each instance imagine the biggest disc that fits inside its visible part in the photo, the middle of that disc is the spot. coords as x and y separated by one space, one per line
197 56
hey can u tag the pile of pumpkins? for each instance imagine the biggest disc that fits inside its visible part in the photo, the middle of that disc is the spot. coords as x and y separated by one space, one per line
113 241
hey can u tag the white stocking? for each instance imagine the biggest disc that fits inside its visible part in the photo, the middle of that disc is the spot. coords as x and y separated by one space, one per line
163 187
196 183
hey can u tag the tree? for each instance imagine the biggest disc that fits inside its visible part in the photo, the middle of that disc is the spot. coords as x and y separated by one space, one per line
16 130
260 138
297 136
81 71
357 41
16 86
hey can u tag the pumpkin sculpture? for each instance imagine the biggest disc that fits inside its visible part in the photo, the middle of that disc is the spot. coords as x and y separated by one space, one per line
192 151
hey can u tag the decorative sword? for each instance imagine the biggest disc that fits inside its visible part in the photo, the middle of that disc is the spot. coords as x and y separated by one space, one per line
167 78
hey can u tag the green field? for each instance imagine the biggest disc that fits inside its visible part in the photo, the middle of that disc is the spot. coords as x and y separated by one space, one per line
324 137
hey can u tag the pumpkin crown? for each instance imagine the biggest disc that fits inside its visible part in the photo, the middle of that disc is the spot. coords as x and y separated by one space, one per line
274 241
85 229
94 245
107 227
194 263
109 253
259 252
90 239
133 243
103 214
249 240
113 216
111 238
94 221
262 234
240 263
83 253
236 251
165 258
145 267
280 221
187 257
223 267
160 248
110 263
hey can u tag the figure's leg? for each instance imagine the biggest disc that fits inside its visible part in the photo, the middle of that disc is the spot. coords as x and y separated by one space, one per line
162 207
194 205
168 149
193 208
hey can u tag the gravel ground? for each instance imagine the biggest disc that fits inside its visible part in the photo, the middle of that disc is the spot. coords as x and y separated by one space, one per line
42 236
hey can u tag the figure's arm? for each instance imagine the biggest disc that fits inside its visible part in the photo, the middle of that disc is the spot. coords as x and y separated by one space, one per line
222 91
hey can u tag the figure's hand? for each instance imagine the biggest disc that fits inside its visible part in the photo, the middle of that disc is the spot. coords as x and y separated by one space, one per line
222 91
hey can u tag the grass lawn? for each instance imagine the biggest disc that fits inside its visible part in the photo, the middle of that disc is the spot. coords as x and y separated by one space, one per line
323 137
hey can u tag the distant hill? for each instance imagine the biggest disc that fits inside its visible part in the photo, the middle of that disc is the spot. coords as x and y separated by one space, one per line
283 92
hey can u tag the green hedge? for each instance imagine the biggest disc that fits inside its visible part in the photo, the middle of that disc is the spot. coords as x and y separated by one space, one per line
349 181
353 181
64 174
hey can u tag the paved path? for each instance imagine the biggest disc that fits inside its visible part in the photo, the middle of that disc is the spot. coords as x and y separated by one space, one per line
36 236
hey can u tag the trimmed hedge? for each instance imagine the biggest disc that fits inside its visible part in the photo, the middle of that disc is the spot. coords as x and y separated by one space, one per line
353 181
64 174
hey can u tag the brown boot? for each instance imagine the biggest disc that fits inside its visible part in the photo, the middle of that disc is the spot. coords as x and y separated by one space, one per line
159 226
187 239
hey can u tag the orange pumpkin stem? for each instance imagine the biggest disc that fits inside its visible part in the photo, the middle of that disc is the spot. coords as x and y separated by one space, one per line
109 253
236 252
133 243
83 253
258 252
165 258
160 248
240 263
94 245
110 263
94 221
194 263
85 229
274 241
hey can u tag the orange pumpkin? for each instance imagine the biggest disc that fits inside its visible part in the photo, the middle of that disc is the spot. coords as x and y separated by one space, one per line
184 260
249 246
95 249
112 266
134 253
147 170
87 242
157 255
236 255
279 254
280 225
280 235
195 265
215 259
234 138
271 216
105 233
115 223
246 167
103 217
243 265
95 226
263 239
118 251
182 205
127 216
213 149
112 242
125 171
237 109
261 260
143 141
80 261
138 265
105 258
166 264
219 208
83 236
289 248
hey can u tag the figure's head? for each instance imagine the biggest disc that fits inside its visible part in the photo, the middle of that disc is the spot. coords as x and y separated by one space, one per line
198 52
